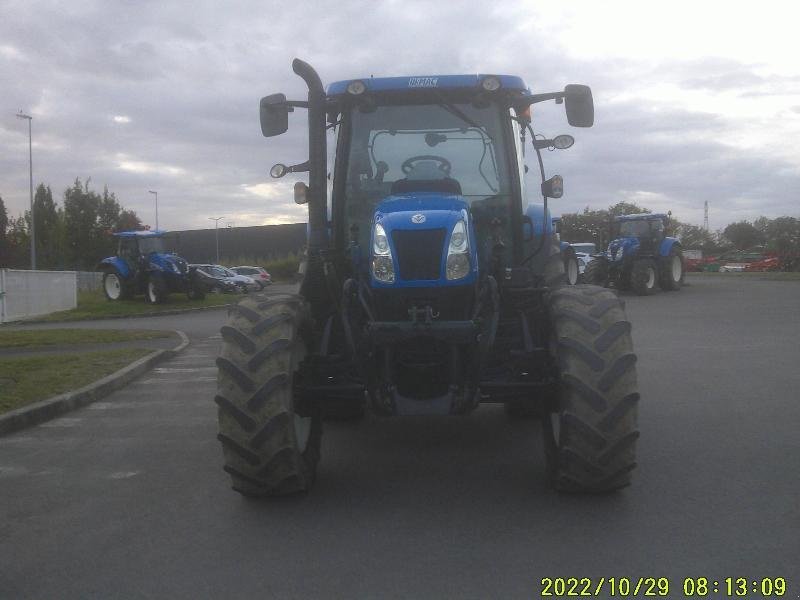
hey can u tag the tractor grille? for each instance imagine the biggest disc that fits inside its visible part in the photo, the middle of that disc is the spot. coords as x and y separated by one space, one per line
419 253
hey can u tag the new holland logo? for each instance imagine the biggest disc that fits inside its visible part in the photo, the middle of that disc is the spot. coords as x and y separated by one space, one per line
418 218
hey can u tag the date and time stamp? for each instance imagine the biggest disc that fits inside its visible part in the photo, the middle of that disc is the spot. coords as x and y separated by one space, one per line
664 587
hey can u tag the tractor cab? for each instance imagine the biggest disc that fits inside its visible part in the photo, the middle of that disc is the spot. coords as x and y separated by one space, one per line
135 247
648 230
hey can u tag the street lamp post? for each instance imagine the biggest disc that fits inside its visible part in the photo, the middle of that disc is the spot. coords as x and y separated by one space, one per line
156 194
22 115
216 231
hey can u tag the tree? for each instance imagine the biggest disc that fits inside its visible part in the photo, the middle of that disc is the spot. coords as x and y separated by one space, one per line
626 208
49 251
128 221
4 247
743 235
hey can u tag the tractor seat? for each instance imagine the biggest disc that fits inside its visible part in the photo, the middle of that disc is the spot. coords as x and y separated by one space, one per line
447 185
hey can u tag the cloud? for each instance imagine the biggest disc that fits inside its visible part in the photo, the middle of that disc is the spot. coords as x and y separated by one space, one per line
148 95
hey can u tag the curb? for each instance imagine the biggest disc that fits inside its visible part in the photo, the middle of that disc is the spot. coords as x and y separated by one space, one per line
44 410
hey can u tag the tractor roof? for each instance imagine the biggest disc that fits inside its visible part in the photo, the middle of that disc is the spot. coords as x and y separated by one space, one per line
440 82
641 217
140 234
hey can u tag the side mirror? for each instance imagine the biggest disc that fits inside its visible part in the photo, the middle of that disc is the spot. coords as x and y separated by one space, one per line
274 114
579 105
553 187
300 193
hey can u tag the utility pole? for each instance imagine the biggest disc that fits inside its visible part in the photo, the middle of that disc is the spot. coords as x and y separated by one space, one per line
156 194
216 231
22 115
705 218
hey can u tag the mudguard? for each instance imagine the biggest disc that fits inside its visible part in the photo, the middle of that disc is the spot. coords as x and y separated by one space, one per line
117 264
666 245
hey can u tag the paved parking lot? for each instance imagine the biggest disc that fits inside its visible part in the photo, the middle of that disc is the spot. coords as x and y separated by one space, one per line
127 498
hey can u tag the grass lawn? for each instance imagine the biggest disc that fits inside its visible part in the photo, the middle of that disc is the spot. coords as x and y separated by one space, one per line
27 380
94 305
50 337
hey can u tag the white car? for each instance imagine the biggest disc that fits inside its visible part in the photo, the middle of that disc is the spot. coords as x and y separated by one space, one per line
259 274
243 282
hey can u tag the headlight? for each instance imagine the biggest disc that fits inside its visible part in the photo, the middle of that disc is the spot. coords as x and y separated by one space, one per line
382 263
458 252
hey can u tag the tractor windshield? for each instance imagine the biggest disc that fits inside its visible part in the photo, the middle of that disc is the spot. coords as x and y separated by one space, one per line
634 228
453 148
151 244
427 142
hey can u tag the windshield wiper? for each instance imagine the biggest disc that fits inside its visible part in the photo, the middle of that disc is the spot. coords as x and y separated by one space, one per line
454 110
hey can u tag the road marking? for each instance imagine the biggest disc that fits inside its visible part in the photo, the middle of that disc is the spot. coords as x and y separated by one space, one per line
180 370
12 471
123 475
62 422
196 379
103 405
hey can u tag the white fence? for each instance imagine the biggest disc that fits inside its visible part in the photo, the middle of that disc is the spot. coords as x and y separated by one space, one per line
26 294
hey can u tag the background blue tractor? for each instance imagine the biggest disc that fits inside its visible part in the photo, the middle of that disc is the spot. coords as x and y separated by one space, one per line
433 283
640 256
143 266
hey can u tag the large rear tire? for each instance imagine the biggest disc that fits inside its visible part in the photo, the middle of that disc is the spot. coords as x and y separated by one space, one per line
590 435
113 286
269 448
644 276
672 268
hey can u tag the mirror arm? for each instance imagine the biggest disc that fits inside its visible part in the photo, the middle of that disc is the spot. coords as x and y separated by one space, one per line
299 168
536 98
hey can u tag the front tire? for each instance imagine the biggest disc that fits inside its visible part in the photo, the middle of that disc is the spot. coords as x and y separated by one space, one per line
590 434
270 449
644 277
571 268
596 272
156 289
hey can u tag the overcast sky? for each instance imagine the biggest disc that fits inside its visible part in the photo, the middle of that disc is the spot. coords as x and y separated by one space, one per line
694 100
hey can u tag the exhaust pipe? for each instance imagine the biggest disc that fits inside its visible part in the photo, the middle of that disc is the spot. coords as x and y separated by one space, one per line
317 158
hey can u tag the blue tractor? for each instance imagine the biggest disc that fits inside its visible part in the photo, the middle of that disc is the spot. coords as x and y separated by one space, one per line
433 283
142 266
640 256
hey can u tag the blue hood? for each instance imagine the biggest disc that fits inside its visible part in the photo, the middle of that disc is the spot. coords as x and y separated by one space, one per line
167 263
426 210
622 247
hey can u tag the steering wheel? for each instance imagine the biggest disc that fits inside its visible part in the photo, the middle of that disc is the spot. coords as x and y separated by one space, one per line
444 164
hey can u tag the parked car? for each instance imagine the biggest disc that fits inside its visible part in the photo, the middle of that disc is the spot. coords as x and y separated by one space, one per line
244 282
259 274
216 279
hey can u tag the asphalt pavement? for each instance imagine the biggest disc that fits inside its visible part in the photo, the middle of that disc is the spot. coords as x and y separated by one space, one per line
127 498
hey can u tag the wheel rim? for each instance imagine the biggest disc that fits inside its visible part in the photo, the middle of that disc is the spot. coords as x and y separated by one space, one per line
677 268
151 291
572 272
651 277
113 286
302 425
